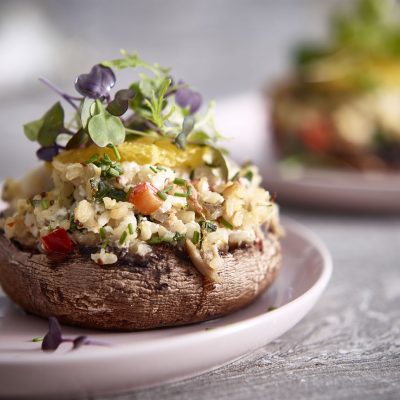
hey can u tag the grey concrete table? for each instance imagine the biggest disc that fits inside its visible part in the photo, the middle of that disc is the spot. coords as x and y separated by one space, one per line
348 347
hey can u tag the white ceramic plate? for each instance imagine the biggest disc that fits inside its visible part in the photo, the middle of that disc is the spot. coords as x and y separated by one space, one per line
338 190
143 359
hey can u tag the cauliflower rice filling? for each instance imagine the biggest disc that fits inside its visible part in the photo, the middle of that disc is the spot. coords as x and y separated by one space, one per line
196 208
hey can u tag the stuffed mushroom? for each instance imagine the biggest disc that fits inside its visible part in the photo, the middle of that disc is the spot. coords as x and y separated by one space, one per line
138 220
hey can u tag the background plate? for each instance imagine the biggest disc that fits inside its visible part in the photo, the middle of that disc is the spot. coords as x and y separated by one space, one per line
143 359
245 119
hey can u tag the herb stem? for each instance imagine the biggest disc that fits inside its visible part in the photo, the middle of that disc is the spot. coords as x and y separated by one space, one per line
65 96
115 150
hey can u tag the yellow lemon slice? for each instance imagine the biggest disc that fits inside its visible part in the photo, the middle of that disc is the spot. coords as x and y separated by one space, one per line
145 151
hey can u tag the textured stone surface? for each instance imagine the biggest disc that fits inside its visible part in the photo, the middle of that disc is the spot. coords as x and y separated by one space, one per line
348 347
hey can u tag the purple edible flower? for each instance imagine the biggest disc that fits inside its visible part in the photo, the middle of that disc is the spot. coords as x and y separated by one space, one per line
186 97
47 153
97 83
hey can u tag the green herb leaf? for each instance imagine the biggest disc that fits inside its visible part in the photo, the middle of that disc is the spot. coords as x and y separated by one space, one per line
105 128
32 129
53 123
85 111
46 129
156 104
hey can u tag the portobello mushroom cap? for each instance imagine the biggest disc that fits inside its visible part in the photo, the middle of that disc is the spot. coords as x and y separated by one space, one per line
160 289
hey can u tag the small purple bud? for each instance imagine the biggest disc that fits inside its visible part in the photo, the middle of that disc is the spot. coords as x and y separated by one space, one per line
97 83
47 153
186 97
53 337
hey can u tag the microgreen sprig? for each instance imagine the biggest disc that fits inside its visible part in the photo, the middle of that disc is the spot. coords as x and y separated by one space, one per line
151 106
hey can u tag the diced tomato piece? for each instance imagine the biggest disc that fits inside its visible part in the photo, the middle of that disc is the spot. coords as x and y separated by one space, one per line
57 241
316 135
145 199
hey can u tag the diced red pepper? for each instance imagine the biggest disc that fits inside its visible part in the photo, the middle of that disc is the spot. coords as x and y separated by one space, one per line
145 199
316 135
57 241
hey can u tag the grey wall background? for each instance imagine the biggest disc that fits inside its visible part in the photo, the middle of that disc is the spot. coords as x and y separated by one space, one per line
221 47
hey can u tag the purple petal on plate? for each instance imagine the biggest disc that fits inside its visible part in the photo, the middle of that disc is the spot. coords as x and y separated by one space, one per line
97 83
79 342
53 337
47 153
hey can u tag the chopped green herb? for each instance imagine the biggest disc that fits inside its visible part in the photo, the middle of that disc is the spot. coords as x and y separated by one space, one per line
179 237
153 169
180 181
189 190
102 233
92 159
113 172
271 308
123 238
208 226
109 168
249 176
38 339
196 237
226 223
104 189
44 203
162 195
191 175
130 228
158 240
177 194
160 168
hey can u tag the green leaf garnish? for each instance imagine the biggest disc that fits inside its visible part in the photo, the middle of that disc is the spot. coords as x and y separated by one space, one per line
156 105
152 106
105 128
86 111
46 129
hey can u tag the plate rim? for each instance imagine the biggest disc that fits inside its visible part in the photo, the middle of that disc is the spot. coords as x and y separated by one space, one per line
314 291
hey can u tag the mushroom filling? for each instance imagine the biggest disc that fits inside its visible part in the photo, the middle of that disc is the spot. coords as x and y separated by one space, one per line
124 205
